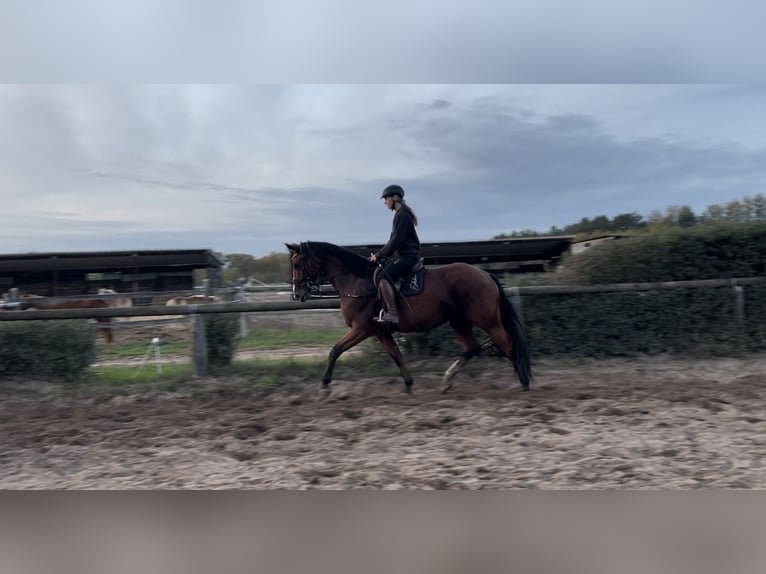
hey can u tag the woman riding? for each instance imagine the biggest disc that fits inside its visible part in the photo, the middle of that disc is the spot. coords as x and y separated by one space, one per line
400 254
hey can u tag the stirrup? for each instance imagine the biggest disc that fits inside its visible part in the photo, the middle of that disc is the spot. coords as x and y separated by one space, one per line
388 321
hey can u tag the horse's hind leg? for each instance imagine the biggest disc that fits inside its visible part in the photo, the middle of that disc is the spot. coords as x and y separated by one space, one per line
387 340
463 331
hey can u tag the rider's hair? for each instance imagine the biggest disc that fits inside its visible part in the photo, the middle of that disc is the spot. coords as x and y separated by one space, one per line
407 208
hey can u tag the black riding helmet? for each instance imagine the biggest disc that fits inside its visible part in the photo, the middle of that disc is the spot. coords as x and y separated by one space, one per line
393 190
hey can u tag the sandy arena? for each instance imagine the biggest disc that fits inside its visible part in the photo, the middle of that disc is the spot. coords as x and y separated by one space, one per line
653 423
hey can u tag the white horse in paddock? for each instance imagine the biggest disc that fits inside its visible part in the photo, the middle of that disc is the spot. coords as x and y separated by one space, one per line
115 301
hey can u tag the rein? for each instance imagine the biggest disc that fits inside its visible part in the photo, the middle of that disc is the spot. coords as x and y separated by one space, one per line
349 295
331 277
318 279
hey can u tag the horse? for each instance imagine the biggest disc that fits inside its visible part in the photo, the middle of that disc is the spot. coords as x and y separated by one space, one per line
115 301
458 293
30 301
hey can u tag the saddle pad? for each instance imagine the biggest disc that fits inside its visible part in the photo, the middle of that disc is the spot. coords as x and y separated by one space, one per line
412 283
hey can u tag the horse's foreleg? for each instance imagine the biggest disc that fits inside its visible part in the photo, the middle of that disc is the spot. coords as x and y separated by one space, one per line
355 336
395 353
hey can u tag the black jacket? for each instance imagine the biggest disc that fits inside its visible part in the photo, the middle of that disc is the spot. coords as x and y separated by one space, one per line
404 239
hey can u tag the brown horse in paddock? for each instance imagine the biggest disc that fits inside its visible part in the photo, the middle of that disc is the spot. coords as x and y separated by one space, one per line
43 303
458 293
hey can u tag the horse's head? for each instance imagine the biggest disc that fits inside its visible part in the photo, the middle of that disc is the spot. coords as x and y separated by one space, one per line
306 269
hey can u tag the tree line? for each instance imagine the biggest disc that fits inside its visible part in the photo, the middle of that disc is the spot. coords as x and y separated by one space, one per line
748 209
242 268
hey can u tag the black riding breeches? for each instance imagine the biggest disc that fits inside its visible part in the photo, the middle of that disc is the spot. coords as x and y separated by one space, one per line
396 269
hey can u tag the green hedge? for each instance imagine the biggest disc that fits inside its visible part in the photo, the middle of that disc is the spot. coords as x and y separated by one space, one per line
222 335
706 252
687 321
63 349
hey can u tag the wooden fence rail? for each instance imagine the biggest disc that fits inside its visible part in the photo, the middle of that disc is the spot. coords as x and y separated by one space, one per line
198 310
624 287
226 291
156 311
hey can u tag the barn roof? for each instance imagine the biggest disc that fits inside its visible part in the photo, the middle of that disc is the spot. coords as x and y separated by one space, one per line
506 249
106 260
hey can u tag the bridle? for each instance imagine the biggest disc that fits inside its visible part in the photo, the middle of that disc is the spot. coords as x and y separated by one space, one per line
309 275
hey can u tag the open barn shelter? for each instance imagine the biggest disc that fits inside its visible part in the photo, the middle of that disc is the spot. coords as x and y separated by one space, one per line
499 256
77 273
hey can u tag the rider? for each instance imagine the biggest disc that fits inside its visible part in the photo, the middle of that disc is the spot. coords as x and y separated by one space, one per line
403 249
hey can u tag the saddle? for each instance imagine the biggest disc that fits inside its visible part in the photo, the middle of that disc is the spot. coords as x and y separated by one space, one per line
411 283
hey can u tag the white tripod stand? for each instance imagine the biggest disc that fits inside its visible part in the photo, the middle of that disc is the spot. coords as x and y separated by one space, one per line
153 348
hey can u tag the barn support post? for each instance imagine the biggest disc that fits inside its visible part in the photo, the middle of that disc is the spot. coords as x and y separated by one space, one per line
208 289
199 346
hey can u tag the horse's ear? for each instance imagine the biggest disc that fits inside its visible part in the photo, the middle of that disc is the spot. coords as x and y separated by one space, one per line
293 247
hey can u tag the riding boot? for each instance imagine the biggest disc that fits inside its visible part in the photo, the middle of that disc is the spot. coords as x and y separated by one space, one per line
389 298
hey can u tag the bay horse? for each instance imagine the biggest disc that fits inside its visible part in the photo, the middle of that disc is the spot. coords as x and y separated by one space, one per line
38 302
458 293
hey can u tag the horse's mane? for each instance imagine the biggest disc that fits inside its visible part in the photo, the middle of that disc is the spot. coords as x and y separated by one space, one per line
356 264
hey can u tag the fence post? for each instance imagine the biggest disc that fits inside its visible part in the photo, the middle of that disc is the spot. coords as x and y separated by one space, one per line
739 309
739 299
199 346
243 326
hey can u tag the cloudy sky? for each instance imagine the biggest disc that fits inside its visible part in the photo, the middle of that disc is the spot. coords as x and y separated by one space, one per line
239 125
245 168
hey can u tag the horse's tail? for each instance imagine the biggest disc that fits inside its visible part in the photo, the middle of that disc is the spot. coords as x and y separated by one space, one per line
514 326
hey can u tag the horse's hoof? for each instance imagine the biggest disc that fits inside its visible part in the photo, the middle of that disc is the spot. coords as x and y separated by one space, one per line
324 392
446 388
408 389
